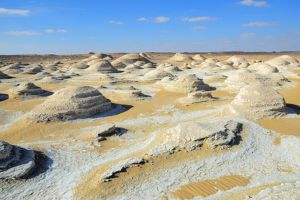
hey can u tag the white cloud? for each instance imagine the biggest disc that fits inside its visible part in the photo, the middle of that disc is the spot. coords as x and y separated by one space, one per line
5 11
258 24
198 28
116 22
254 3
161 19
55 31
198 19
22 33
142 19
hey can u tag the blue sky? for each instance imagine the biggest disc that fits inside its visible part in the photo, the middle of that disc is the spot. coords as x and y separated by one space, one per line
69 26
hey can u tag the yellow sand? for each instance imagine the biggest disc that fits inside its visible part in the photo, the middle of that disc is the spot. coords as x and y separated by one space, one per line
208 187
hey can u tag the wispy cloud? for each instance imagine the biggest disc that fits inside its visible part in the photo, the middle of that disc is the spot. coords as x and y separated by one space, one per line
114 22
259 24
142 19
161 19
198 19
55 31
19 12
248 35
22 33
199 28
254 3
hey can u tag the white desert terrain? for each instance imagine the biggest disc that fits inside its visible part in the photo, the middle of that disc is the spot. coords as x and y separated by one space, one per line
214 126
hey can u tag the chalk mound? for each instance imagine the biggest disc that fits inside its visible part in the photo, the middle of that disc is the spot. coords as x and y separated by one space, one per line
4 76
128 59
284 60
79 65
28 90
193 135
179 57
148 66
33 69
240 78
14 68
185 83
263 68
97 57
157 74
196 97
132 92
258 101
238 62
15 162
199 58
102 66
71 103
132 68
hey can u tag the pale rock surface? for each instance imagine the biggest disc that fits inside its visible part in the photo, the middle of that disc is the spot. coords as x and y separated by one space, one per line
112 172
192 135
196 97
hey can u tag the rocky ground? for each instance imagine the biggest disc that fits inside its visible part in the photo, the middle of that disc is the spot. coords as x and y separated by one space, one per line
150 125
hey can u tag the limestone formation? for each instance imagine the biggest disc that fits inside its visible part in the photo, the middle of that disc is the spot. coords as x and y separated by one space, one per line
14 68
71 103
127 59
263 68
179 57
15 162
103 66
258 101
238 62
103 132
240 78
196 97
28 90
33 69
132 92
192 135
199 58
185 83
282 61
80 65
112 172
4 76
157 74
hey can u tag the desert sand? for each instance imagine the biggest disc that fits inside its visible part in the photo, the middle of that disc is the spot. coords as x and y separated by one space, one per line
150 126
